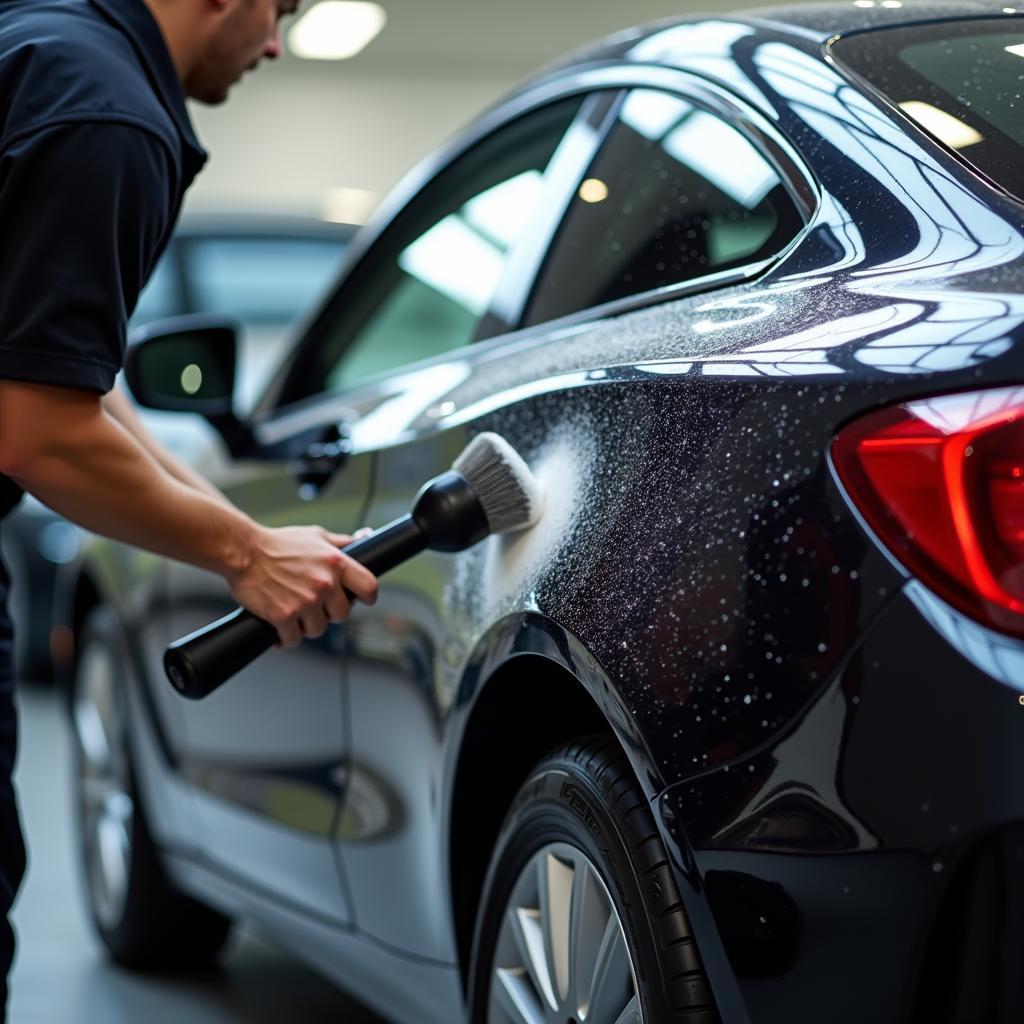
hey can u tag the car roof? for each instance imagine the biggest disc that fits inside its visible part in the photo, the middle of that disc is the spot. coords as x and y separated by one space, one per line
808 22
833 19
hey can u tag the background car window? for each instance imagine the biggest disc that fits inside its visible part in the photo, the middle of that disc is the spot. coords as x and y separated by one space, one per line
674 193
162 295
428 282
260 280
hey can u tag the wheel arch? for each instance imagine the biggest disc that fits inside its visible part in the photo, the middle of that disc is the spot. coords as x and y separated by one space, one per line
526 663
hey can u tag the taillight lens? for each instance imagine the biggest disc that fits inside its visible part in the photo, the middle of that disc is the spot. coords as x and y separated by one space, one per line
941 481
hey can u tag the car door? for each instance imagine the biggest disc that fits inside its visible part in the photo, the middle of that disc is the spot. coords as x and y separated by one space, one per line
393 342
265 753
646 179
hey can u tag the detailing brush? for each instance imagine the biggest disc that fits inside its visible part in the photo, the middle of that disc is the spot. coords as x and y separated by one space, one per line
489 489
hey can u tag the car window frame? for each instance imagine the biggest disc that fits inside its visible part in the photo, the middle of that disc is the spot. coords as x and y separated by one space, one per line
400 204
512 295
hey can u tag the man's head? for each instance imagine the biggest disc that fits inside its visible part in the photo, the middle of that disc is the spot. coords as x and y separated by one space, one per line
214 42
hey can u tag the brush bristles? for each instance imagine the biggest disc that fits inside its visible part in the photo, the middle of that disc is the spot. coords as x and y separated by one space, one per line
508 492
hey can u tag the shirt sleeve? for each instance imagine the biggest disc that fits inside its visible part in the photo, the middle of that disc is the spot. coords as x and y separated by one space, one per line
84 212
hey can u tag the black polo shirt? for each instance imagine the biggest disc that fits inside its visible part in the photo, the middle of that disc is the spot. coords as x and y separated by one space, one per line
96 152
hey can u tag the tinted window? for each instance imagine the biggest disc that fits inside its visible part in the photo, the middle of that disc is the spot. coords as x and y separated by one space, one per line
961 81
260 280
675 193
425 286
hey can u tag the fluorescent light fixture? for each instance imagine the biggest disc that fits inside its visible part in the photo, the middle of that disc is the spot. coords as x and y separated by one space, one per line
1009 10
336 29
863 3
593 190
1017 51
723 156
349 205
892 3
945 127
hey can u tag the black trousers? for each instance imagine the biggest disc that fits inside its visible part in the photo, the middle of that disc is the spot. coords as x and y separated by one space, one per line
12 846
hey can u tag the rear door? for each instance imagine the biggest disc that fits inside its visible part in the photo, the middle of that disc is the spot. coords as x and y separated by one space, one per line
660 195
392 345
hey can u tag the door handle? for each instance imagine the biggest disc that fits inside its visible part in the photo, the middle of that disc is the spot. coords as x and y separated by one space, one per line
321 460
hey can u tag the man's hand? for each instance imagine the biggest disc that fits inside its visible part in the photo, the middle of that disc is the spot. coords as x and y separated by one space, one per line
298 581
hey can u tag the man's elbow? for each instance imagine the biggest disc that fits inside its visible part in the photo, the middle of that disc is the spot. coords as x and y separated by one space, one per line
39 424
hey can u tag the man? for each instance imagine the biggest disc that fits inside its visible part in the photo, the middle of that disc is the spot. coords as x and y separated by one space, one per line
96 152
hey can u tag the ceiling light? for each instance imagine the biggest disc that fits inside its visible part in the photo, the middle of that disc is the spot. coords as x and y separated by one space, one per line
336 29
863 3
1017 51
593 190
945 127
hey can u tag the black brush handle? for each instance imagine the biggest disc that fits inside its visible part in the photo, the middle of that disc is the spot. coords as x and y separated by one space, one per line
202 661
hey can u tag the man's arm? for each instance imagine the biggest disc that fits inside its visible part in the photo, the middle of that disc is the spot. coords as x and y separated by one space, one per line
117 405
61 445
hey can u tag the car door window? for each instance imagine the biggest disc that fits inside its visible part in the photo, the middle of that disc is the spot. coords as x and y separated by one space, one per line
425 286
675 193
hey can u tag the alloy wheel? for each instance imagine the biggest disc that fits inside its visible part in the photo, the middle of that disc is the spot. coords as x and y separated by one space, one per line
104 794
561 955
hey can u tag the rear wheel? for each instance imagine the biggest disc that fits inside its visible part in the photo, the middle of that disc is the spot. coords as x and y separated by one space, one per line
144 921
581 920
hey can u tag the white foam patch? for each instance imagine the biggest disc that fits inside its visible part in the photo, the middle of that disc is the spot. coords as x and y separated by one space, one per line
502 573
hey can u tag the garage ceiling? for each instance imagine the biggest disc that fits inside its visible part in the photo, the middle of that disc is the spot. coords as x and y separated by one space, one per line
509 33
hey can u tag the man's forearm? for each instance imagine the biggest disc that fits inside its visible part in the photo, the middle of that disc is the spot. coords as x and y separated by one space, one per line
61 445
117 405
76 470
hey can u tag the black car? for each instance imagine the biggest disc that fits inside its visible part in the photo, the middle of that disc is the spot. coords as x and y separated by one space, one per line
262 270
734 732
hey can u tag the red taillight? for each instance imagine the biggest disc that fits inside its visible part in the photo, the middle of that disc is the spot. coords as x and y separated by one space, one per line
941 482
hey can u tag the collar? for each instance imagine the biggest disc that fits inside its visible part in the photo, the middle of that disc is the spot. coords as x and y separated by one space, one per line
135 19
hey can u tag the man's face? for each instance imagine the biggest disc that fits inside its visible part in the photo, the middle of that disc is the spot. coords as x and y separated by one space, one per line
248 31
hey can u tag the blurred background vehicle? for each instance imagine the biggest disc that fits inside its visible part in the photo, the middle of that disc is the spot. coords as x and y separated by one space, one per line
263 270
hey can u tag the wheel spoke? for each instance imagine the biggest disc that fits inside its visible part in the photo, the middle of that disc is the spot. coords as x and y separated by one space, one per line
556 883
91 731
612 985
112 853
528 930
631 1014
560 954
590 913
513 993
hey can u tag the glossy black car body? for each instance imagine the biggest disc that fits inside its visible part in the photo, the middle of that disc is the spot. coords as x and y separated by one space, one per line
831 751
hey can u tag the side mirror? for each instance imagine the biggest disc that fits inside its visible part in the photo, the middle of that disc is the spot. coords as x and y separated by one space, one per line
187 364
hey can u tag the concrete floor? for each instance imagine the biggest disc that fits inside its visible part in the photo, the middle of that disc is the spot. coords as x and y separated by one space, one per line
60 974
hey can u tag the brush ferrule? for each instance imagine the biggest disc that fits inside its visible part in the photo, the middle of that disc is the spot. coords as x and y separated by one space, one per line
449 514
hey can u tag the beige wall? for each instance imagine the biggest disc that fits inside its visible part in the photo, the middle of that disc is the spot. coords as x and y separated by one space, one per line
290 132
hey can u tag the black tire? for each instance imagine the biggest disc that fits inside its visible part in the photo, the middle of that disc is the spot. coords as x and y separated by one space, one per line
584 796
150 925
